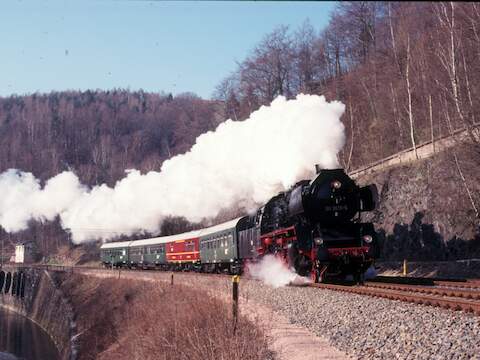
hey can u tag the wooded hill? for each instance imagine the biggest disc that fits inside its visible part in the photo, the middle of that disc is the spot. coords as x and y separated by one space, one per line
99 134
407 72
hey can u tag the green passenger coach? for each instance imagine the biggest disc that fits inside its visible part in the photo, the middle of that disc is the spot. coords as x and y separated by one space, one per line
219 248
115 254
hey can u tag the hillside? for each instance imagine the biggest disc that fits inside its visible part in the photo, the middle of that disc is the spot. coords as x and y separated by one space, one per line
425 212
407 73
99 134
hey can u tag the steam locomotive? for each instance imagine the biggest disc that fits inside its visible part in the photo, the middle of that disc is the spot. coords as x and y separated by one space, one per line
314 227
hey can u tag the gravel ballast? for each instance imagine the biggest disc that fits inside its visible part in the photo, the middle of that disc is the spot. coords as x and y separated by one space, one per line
373 328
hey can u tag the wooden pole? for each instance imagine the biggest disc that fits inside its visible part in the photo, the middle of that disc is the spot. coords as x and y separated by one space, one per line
235 282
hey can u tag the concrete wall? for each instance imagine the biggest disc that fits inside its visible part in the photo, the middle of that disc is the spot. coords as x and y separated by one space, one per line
44 303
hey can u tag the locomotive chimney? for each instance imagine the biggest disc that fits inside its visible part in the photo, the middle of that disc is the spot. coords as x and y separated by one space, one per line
317 169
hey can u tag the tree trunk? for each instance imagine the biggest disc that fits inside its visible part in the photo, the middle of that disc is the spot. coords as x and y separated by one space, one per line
457 165
409 93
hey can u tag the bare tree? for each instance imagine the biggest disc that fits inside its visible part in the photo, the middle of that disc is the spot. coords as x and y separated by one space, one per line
409 102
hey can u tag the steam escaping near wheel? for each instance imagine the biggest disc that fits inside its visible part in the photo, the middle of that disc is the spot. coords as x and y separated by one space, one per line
274 272
240 164
371 273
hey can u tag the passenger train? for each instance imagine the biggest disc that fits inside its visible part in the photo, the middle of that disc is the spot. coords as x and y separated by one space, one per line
315 228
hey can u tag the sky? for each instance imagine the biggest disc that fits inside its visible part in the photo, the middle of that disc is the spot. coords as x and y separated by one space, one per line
174 47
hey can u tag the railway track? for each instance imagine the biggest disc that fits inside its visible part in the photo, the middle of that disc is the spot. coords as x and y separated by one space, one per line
469 284
454 299
432 290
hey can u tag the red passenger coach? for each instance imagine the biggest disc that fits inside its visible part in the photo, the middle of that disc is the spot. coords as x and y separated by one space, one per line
184 253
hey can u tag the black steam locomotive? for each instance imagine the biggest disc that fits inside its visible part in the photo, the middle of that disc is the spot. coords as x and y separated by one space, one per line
316 227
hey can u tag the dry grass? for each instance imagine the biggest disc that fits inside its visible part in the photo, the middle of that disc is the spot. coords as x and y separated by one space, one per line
122 319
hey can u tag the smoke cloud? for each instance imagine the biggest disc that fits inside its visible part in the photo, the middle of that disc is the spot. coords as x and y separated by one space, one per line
239 164
274 272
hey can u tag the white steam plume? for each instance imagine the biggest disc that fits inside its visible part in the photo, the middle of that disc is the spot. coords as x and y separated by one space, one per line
274 272
238 164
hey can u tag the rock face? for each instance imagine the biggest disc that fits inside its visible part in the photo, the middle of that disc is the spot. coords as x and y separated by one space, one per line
45 304
425 211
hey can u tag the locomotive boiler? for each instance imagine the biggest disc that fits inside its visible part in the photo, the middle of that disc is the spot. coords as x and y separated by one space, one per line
316 227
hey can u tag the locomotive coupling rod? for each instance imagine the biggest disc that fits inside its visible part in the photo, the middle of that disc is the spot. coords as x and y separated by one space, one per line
235 282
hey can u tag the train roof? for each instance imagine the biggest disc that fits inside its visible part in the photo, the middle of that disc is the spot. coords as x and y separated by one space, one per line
166 239
113 245
220 227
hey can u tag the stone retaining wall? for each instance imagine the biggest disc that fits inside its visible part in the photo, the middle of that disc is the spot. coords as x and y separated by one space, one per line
42 302
423 151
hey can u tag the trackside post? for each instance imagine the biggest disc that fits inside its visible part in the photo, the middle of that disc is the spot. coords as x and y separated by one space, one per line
405 269
235 282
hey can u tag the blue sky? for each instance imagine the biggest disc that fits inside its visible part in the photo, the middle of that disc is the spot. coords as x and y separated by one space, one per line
157 46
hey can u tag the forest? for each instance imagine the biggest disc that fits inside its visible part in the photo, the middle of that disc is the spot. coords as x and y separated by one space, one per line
407 72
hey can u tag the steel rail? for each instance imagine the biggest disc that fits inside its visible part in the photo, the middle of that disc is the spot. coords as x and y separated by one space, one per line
449 292
408 296
465 285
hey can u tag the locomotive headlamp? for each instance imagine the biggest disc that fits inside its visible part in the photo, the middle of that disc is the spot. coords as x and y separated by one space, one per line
336 184
318 241
367 238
